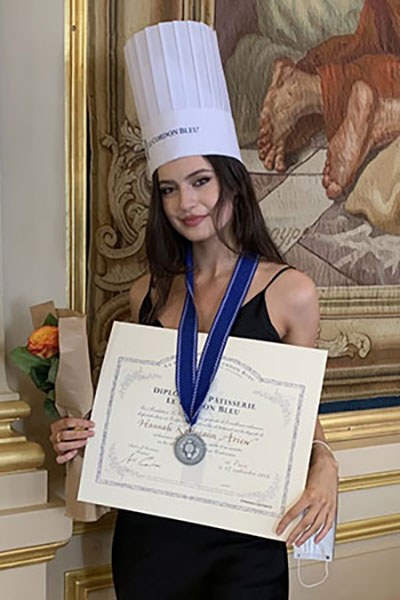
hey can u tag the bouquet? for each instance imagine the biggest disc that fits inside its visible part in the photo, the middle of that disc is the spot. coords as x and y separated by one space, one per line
56 358
40 359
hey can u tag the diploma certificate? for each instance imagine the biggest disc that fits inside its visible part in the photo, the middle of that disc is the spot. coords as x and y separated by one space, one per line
257 422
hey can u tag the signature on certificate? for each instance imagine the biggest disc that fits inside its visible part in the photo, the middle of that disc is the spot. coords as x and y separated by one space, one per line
141 456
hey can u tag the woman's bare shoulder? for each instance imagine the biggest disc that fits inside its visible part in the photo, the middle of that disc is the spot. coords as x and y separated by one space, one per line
300 288
137 294
293 299
292 286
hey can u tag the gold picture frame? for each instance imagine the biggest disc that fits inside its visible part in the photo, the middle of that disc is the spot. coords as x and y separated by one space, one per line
358 325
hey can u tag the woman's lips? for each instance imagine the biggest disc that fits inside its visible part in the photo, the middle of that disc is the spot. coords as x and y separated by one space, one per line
193 221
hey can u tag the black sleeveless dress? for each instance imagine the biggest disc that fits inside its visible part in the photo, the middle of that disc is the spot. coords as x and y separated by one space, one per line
155 558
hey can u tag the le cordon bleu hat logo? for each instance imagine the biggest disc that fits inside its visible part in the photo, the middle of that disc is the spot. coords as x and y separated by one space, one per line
170 133
180 92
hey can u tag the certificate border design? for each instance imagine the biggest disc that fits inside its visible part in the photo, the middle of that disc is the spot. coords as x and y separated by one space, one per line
166 361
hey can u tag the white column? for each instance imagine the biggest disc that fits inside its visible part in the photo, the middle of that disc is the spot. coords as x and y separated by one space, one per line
5 392
32 269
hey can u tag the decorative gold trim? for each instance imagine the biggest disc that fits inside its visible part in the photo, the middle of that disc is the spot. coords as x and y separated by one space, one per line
76 25
80 582
354 531
199 10
187 10
370 480
104 524
16 452
15 409
30 555
359 301
357 425
360 330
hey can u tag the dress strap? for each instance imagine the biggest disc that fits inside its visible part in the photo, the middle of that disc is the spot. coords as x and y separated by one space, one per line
276 276
146 306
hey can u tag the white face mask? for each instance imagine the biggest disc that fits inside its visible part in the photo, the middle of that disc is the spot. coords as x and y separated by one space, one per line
324 551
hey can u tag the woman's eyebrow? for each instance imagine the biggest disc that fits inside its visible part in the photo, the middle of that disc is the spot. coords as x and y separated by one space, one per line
187 176
198 173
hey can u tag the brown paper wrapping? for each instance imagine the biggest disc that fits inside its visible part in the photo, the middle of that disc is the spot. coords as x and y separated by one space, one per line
74 394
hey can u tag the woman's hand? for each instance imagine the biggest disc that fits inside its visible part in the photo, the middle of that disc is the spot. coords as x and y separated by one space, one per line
68 435
319 498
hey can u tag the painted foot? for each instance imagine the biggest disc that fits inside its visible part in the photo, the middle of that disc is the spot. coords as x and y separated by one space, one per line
292 94
352 141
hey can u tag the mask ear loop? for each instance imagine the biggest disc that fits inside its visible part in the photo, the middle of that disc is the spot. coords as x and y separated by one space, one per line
311 585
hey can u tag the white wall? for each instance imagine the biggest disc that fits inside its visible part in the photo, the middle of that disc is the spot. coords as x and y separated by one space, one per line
32 181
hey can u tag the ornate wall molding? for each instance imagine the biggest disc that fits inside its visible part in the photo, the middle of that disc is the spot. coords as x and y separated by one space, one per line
365 301
360 328
16 452
80 582
119 244
355 531
30 555
129 196
351 344
371 480
106 523
75 43
361 425
199 10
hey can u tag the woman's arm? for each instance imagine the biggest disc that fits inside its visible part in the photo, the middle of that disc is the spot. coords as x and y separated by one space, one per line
299 315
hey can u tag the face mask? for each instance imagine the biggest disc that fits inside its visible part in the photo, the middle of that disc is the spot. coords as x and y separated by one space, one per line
323 551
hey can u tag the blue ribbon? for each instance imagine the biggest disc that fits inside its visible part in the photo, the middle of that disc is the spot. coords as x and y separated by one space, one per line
193 383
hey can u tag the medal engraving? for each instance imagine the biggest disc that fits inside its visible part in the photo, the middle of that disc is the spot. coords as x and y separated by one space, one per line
190 449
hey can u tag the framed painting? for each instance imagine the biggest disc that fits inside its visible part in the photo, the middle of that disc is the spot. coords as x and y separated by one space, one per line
330 200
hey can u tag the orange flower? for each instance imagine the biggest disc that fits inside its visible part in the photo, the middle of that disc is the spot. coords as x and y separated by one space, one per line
43 341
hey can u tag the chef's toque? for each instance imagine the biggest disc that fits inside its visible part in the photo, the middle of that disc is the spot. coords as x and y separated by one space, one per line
180 92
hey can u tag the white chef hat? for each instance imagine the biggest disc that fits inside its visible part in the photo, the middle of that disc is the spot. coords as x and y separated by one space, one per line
180 92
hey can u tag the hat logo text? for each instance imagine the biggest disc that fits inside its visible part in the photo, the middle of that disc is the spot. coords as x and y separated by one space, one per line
171 133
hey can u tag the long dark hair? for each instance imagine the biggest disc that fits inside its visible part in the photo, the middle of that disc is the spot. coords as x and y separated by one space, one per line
166 248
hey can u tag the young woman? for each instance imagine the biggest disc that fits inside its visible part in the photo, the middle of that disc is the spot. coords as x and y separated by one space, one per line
208 202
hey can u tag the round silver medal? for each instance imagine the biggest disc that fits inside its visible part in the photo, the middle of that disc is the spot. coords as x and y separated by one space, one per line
190 449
